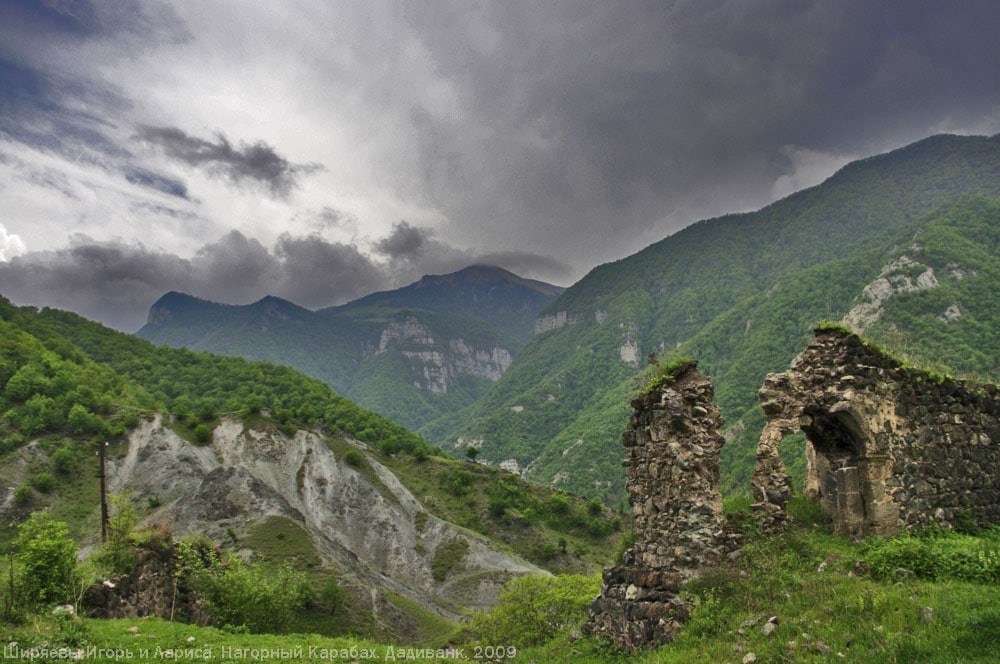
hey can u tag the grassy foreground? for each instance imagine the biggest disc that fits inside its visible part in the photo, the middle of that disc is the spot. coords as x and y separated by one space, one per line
929 598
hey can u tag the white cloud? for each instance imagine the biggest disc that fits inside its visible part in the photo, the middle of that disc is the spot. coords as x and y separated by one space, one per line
10 245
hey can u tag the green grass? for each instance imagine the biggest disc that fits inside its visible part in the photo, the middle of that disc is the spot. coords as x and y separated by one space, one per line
806 577
572 542
866 619
278 538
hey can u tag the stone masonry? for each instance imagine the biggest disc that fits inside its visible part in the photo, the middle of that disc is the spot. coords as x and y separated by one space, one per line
889 448
672 461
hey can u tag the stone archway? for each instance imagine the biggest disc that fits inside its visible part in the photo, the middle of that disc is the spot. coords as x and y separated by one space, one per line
839 466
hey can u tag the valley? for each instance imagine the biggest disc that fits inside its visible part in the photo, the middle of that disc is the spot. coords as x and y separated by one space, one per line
427 460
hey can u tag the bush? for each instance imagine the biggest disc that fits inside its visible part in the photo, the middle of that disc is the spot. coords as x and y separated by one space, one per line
118 555
202 433
935 555
63 460
47 557
259 598
22 495
533 609
43 481
354 458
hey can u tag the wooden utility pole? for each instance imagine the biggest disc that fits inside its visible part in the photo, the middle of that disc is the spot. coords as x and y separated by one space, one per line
104 493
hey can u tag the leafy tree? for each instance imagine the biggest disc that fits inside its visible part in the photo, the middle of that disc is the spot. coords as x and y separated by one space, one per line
261 598
533 609
471 452
203 433
47 557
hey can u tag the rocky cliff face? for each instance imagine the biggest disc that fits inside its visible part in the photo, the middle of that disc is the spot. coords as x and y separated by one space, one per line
376 532
437 363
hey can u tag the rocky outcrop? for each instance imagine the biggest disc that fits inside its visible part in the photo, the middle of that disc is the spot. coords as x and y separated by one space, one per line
552 321
889 447
368 526
437 364
900 275
672 460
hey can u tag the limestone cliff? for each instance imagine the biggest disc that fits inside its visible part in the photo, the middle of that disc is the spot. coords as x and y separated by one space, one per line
436 363
371 529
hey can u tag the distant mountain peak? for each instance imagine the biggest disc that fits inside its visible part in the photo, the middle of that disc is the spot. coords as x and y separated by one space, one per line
485 292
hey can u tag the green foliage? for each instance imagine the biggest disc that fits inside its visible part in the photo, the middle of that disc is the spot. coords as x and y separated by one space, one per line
22 495
202 433
936 554
43 481
534 609
354 458
261 597
471 452
47 558
112 377
50 386
447 556
458 482
117 556
64 460
662 374
626 542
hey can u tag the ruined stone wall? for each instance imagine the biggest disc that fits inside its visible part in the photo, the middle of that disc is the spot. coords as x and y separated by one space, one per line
672 461
890 448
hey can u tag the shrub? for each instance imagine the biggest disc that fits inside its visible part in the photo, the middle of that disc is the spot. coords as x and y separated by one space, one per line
63 460
118 555
533 609
43 481
447 556
935 554
260 598
22 495
202 433
48 559
354 458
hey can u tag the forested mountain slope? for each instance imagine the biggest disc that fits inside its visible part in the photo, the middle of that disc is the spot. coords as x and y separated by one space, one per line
267 461
740 293
411 354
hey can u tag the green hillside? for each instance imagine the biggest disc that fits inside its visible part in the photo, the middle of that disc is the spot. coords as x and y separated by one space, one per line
741 293
194 386
404 353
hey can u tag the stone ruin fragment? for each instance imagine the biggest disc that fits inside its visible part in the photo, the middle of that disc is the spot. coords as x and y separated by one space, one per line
672 461
889 448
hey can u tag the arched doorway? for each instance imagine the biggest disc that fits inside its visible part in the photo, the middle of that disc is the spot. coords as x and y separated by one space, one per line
851 478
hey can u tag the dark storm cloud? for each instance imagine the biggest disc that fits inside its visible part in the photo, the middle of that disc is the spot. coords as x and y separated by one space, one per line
116 282
256 163
315 269
405 241
597 116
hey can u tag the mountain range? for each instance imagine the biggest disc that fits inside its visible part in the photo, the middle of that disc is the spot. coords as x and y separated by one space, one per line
901 246
411 354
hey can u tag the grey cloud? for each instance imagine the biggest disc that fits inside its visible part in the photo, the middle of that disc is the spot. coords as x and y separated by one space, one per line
405 241
314 269
116 282
584 120
256 163
161 183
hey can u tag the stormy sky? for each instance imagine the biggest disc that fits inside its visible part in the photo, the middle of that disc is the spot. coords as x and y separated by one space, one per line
319 150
